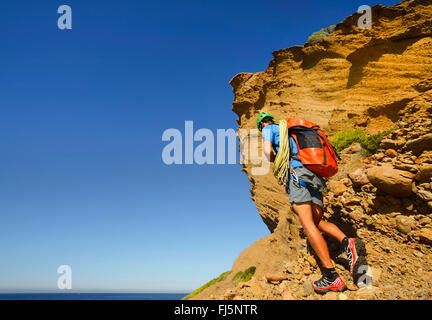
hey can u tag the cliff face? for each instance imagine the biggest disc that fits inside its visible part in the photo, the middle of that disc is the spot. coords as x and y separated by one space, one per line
351 77
377 79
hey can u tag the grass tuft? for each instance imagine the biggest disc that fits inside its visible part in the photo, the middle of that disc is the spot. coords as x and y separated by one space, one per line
205 286
243 276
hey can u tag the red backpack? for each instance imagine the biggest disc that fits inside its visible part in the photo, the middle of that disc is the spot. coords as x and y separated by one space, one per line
315 150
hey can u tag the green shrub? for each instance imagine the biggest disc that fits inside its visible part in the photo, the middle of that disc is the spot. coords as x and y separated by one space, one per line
319 35
343 139
205 286
370 143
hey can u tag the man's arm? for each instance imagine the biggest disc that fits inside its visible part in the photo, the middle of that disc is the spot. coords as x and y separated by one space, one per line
268 150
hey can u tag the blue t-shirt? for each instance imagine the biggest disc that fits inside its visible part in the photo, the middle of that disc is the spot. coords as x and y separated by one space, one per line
271 133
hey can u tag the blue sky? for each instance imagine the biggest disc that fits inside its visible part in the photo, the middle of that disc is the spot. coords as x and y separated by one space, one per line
82 113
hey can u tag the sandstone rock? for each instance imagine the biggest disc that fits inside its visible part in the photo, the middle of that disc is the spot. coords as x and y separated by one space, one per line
424 174
391 153
346 182
393 144
379 156
426 195
404 224
405 167
426 235
230 294
392 181
417 146
362 122
307 289
276 277
354 148
425 221
339 188
358 178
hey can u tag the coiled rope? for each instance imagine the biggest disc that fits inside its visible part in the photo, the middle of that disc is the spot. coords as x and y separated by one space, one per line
281 162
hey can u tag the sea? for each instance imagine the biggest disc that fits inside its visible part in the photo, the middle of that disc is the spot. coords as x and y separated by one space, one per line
92 296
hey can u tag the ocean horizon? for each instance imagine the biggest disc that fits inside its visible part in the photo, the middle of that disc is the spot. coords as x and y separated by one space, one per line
92 296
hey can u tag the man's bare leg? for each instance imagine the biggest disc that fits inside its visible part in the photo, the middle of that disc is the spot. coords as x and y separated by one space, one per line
327 227
304 211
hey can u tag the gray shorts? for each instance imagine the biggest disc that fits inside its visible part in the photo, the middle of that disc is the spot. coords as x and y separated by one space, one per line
298 193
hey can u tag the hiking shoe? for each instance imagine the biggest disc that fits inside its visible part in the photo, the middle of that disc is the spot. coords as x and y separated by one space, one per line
325 285
355 249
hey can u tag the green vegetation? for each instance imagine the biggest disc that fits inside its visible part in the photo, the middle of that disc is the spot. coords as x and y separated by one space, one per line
343 139
246 275
208 284
370 143
319 35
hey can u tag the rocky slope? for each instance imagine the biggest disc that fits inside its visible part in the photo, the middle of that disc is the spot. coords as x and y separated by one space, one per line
376 79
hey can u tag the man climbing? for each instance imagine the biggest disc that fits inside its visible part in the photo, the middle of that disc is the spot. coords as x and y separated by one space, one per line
304 189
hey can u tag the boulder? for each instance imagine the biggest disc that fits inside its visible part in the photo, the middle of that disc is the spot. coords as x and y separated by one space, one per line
391 153
424 174
404 224
277 277
391 181
358 178
417 146
392 144
339 189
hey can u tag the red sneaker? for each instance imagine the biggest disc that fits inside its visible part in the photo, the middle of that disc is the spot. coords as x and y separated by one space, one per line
323 285
354 250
